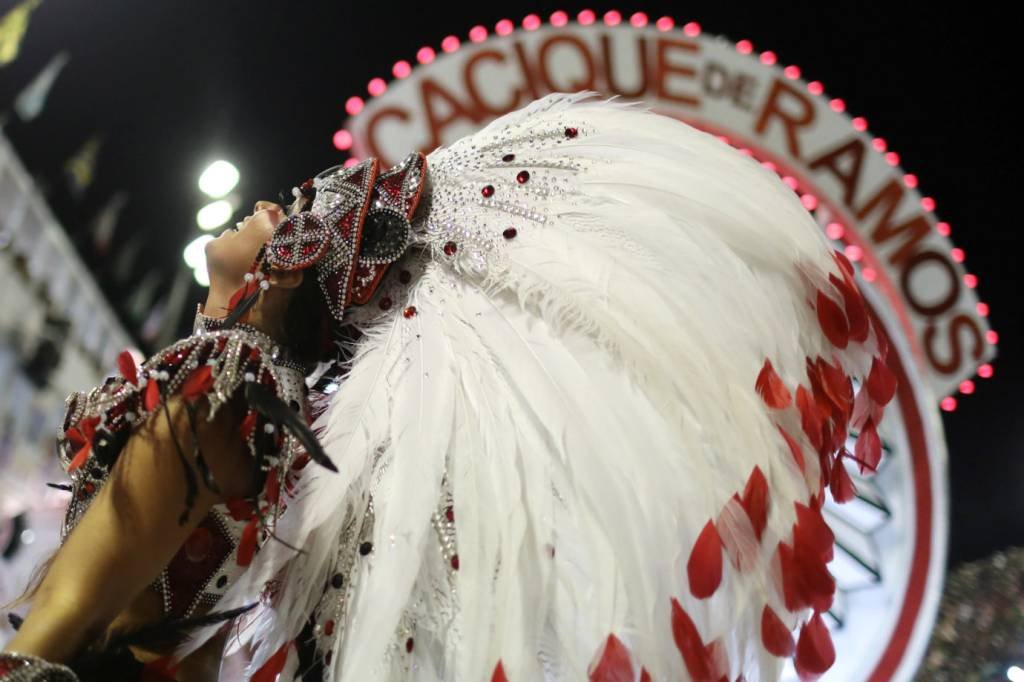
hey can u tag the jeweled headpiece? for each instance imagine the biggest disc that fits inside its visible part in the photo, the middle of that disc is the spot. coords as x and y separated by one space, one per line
357 223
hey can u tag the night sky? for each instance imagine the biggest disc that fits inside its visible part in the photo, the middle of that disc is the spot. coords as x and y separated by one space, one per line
172 86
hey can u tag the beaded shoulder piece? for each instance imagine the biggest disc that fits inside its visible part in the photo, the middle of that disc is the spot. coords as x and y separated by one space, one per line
212 365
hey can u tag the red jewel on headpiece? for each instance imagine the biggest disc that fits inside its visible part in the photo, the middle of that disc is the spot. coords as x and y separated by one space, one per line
523 177
450 248
508 157
510 233
384 303
571 133
487 191
409 312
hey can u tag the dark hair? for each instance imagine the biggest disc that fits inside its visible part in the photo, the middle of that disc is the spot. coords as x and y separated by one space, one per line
308 323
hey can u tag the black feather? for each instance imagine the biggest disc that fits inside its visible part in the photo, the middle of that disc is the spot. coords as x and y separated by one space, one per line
273 408
241 309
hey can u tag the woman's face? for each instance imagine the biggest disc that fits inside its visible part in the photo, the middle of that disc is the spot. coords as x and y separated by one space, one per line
229 256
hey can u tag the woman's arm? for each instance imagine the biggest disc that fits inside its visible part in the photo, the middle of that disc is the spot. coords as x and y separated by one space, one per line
130 531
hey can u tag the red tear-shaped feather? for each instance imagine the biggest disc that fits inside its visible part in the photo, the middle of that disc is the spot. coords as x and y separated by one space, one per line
817 586
755 500
821 399
689 643
269 671
814 650
248 424
868 449
837 386
499 673
81 435
841 484
704 569
810 416
775 636
239 509
794 449
151 398
770 387
198 382
853 303
737 533
242 292
126 365
615 664
719 659
80 457
843 262
247 543
833 321
881 382
644 675
865 408
811 530
792 593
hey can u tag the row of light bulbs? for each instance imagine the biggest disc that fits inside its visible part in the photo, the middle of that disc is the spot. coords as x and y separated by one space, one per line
219 178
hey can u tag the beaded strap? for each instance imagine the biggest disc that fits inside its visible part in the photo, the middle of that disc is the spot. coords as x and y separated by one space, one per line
15 667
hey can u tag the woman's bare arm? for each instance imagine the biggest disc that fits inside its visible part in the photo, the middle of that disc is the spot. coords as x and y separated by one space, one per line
130 531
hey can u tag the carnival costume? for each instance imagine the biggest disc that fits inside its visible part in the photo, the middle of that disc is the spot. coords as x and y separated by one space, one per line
604 374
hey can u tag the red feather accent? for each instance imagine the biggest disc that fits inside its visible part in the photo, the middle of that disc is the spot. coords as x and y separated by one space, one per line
755 500
704 569
856 313
837 386
814 650
775 636
794 449
843 262
737 533
881 382
812 531
80 457
810 416
615 664
865 408
151 398
198 382
833 321
242 292
269 671
689 643
770 387
126 365
499 673
248 424
805 577
81 435
868 449
841 484
247 544
239 509
792 594
719 658
644 675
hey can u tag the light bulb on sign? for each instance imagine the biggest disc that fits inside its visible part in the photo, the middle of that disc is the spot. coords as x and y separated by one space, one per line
219 178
